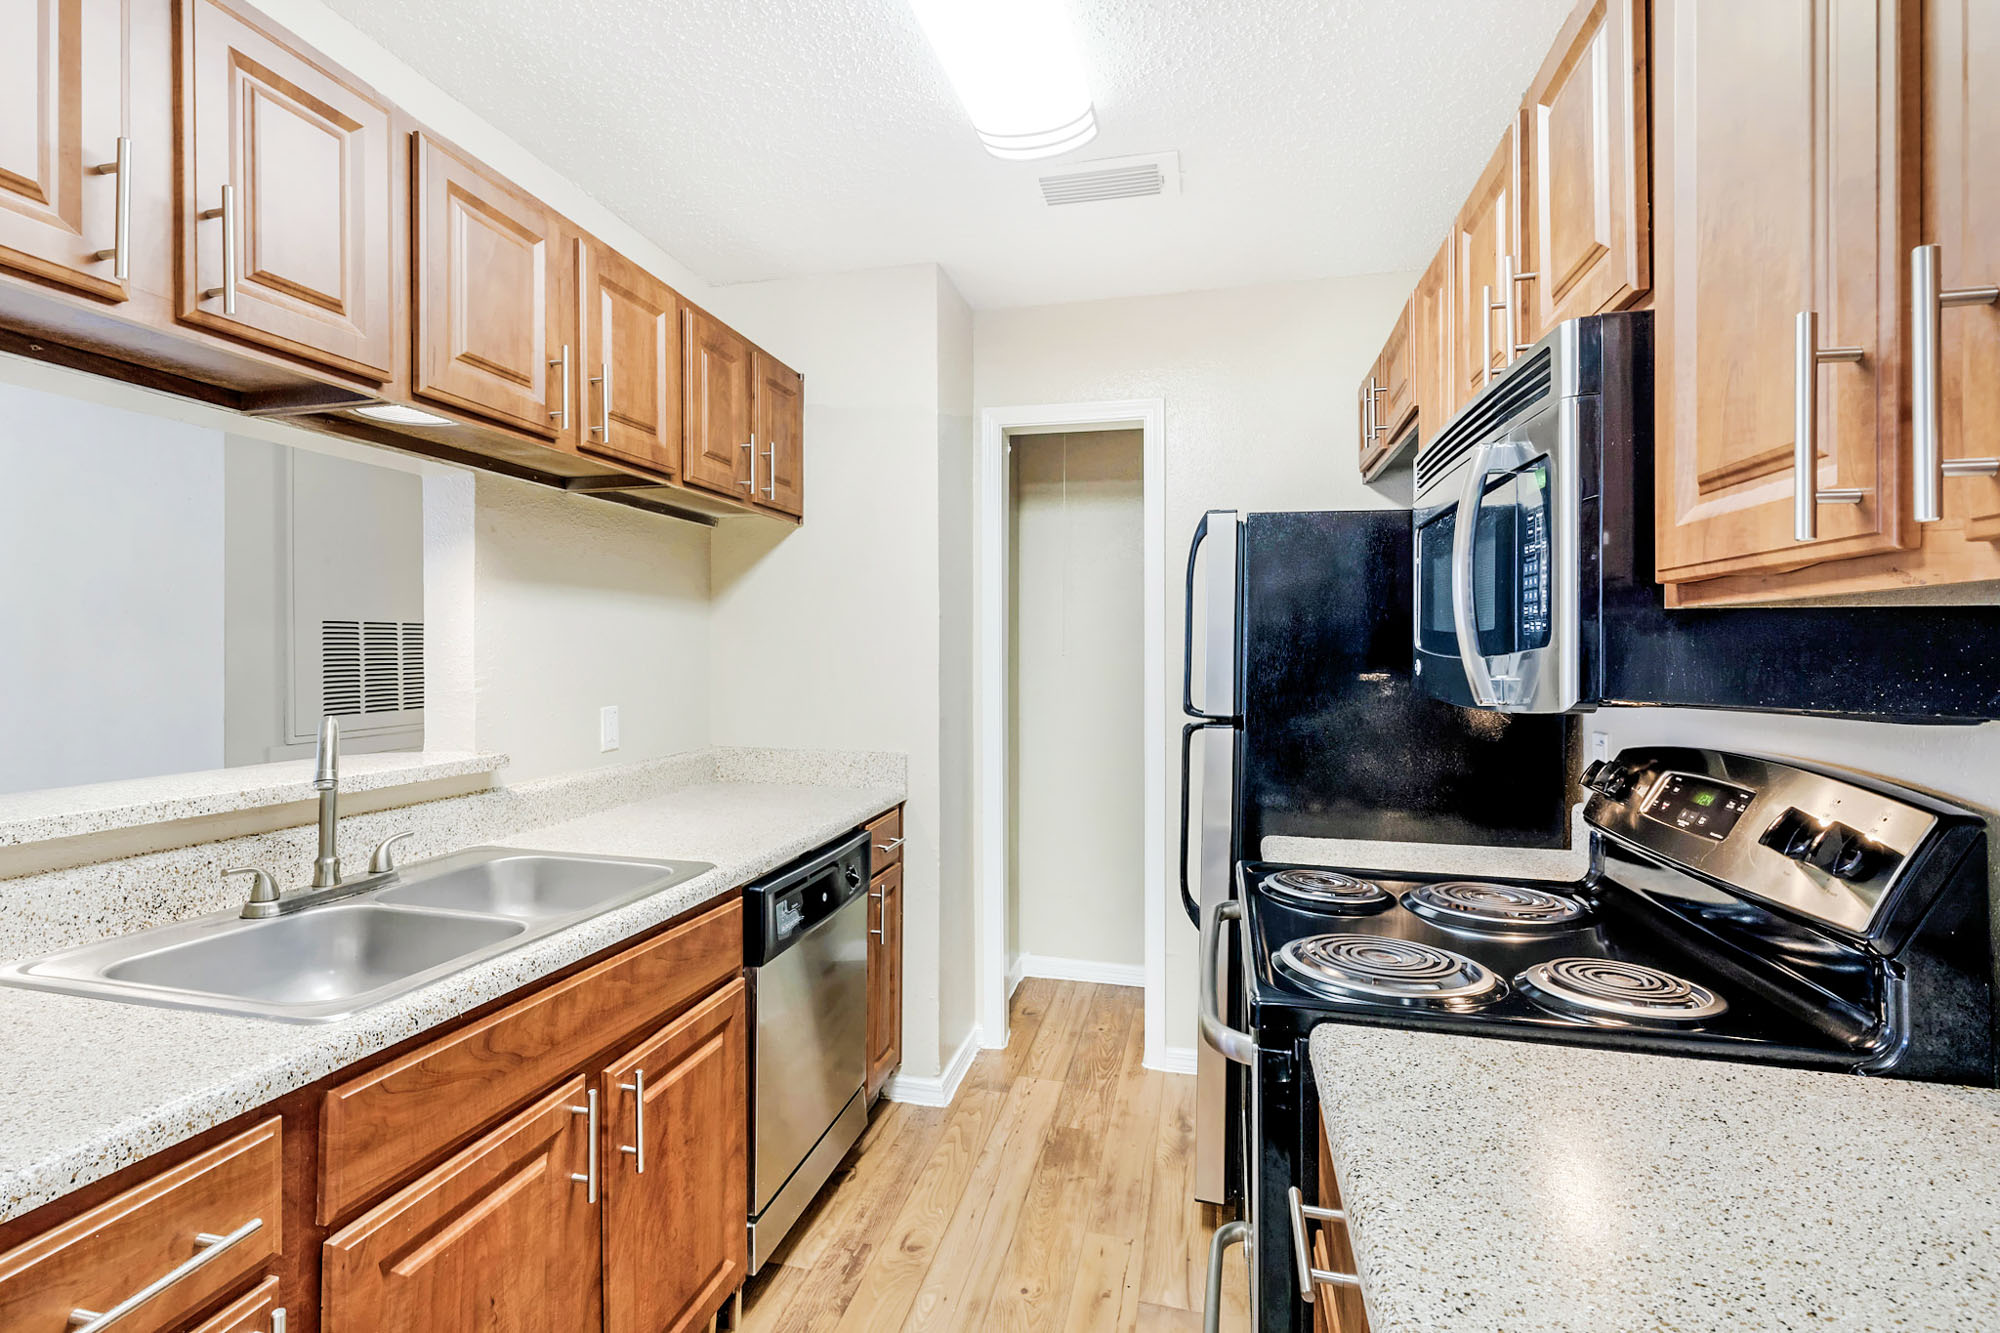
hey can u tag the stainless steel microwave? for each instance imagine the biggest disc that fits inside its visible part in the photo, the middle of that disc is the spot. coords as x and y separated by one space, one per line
1507 531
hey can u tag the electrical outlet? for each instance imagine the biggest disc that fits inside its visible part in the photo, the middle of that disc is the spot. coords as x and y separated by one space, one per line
607 728
1600 745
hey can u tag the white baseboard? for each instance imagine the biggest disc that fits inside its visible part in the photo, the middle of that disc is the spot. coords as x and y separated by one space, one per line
1171 1059
1081 969
1014 975
941 1090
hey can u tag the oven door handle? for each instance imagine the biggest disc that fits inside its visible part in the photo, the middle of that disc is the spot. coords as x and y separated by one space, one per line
1188 705
1238 1046
1464 544
1226 1235
1188 899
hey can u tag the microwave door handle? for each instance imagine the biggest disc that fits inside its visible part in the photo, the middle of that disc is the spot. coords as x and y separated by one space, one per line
1188 705
1463 543
1188 900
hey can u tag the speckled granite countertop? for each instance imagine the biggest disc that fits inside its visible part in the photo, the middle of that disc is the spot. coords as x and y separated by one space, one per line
1514 1187
93 1085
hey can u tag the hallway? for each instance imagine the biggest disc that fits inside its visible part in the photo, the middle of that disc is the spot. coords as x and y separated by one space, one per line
1056 1193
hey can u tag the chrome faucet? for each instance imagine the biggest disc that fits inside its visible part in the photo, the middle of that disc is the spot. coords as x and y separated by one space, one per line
326 781
327 884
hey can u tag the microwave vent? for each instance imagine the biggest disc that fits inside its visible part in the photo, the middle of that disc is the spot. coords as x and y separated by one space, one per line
1525 386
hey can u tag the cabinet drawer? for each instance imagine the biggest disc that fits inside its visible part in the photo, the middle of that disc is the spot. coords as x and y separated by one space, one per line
118 1249
382 1125
885 841
250 1313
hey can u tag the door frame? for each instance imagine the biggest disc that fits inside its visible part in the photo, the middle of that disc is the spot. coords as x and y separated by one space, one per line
992 650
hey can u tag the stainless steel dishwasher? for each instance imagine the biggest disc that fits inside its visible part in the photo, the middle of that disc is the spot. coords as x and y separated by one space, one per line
806 947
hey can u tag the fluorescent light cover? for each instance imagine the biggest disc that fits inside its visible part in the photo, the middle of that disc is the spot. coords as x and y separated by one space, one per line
398 415
1015 66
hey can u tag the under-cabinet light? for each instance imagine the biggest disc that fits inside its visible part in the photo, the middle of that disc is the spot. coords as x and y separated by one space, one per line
398 415
1016 67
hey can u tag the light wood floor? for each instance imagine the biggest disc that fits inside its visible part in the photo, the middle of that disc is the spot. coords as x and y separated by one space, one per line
1054 1194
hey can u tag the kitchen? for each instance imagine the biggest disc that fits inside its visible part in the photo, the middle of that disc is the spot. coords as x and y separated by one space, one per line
503 385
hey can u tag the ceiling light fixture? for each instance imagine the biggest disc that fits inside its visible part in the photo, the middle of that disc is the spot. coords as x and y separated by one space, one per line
1016 67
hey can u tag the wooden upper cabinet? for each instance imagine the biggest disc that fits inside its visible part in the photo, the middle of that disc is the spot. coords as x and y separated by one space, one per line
484 289
721 444
1388 398
1962 209
780 421
1485 240
631 362
64 106
287 178
676 1167
1786 184
1432 347
501 1237
1586 231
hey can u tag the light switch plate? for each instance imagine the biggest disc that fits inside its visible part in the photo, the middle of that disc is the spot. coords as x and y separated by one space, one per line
607 728
1600 745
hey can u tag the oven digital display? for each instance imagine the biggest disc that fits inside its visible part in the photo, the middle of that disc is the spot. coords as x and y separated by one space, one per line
1697 805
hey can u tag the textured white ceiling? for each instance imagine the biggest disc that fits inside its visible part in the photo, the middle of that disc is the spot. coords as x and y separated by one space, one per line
770 138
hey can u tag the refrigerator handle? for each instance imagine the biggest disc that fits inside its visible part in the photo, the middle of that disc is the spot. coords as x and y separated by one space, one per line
1188 704
1188 899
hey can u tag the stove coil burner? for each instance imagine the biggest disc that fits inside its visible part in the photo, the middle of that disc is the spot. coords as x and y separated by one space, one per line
1390 971
1601 990
1328 891
1472 905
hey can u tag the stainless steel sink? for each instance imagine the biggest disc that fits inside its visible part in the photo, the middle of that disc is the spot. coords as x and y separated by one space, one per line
328 962
531 886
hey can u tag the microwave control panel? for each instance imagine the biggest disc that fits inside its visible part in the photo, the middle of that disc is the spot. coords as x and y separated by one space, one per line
1536 570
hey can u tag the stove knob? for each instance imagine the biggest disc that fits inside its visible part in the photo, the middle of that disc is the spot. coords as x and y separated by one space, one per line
1792 834
1844 853
1607 779
853 877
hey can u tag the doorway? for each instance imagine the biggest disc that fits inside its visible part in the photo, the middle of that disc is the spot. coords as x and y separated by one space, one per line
998 947
1076 672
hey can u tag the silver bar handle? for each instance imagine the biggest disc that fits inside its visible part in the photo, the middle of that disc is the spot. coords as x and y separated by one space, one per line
278 1320
1487 304
120 252
1514 281
1226 1235
561 415
1929 300
1238 1046
589 1176
881 914
770 472
889 846
604 401
1368 414
210 1246
751 445
1807 497
637 1148
1310 1277
227 212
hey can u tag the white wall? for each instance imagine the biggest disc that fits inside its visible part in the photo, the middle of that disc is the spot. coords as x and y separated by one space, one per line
1259 388
958 973
1077 873
577 604
111 594
828 636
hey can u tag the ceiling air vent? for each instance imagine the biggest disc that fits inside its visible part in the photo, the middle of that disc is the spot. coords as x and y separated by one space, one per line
1113 178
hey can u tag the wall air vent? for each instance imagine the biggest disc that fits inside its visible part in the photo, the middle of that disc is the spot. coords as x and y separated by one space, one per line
370 666
1113 178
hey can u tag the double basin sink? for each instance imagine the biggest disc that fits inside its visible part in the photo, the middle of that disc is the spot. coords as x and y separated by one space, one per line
328 962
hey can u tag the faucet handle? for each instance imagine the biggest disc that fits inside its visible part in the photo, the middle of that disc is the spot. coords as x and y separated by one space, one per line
383 860
263 890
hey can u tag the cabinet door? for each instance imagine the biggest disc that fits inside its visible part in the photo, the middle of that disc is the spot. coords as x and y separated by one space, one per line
1432 350
483 287
1586 239
885 977
780 415
287 198
631 395
1783 172
502 1237
721 440
1963 208
676 1163
64 103
1484 242
1392 386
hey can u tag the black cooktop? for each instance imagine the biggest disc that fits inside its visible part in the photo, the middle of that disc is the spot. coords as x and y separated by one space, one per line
1615 940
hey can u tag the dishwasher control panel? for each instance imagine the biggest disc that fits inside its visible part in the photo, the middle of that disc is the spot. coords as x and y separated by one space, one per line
785 906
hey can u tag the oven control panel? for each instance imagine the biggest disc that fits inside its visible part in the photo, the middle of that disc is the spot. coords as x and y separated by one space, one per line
1820 844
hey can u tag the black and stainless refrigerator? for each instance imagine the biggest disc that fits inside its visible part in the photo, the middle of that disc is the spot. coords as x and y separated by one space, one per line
1308 725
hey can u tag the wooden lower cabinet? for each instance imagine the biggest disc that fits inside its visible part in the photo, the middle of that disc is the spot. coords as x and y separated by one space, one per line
259 1310
676 1170
1335 1309
885 976
503 1237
